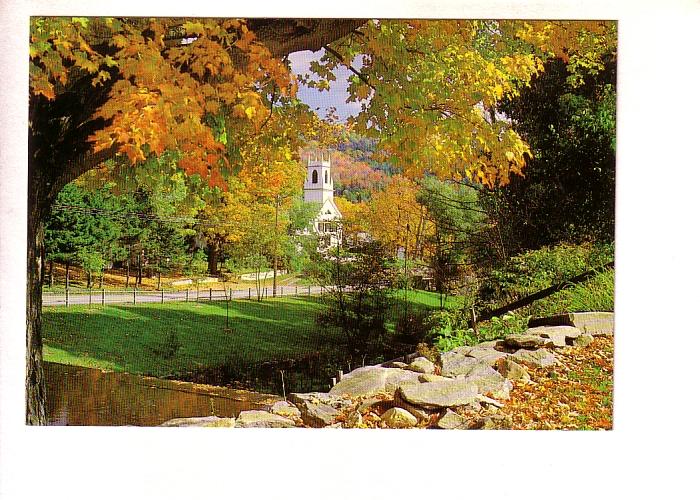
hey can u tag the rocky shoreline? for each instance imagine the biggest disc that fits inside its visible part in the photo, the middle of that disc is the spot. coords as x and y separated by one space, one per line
464 389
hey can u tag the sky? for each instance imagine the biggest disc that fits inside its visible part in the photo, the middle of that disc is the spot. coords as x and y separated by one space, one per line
322 101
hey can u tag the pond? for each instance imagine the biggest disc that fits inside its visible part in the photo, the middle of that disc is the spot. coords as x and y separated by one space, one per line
87 396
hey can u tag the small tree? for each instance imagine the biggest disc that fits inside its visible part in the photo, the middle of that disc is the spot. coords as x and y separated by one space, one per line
358 287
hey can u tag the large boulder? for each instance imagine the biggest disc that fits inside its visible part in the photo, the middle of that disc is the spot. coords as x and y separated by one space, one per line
442 394
259 418
371 380
538 359
592 323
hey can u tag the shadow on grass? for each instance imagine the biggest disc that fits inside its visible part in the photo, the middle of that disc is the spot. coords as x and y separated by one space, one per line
264 342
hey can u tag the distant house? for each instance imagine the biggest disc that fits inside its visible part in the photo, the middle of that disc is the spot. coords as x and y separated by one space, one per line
318 188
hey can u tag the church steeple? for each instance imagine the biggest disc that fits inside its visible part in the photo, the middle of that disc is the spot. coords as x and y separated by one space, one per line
318 186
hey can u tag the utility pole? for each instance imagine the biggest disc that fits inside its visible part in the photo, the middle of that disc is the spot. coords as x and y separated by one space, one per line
274 262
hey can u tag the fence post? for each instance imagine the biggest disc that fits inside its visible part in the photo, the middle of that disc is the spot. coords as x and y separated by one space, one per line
340 375
249 297
309 290
296 290
187 295
281 290
162 296
66 297
210 294
89 298
134 295
103 296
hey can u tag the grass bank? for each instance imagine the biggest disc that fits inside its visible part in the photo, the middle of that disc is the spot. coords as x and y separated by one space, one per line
176 338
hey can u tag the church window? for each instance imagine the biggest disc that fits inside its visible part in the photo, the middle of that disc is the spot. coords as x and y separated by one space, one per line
314 177
326 176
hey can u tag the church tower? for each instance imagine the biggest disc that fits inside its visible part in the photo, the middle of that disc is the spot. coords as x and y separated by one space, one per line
318 186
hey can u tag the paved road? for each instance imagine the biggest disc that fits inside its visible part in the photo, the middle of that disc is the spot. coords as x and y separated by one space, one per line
121 297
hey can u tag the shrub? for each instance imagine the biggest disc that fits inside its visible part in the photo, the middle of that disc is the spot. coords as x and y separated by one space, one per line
536 270
450 328
596 294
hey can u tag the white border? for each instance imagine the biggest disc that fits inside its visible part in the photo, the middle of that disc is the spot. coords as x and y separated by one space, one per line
657 329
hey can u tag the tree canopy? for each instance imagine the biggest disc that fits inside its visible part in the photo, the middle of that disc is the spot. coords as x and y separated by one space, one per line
218 97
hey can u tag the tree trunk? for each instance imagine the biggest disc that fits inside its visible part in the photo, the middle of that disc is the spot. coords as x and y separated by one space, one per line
35 385
128 267
67 273
51 274
213 258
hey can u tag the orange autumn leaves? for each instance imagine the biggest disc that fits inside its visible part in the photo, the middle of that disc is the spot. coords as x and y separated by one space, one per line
163 91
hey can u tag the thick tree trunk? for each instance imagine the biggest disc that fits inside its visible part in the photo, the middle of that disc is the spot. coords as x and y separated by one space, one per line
35 386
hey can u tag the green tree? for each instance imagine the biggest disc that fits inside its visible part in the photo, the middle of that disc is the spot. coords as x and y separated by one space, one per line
82 230
568 191
358 296
456 217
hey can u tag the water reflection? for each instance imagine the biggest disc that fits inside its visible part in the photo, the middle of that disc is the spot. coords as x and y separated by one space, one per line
85 396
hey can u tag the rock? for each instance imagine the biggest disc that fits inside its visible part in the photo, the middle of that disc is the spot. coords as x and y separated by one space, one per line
593 323
317 414
489 401
259 418
561 336
371 380
583 340
395 378
489 344
512 370
487 355
488 380
319 397
394 364
492 422
539 358
454 363
354 420
429 377
285 409
362 382
398 418
369 403
416 411
421 365
441 394
452 420
211 421
524 341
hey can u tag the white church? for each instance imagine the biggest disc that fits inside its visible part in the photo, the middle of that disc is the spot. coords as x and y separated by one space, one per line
318 188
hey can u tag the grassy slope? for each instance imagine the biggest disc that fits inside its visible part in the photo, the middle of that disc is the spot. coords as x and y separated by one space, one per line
137 338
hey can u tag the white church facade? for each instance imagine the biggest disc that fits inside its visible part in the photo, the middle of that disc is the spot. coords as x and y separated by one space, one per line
318 188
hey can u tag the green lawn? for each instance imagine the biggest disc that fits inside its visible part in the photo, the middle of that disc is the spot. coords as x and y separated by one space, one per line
173 338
